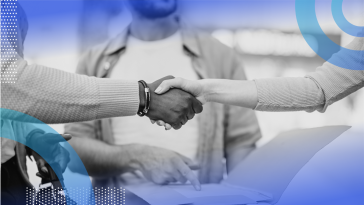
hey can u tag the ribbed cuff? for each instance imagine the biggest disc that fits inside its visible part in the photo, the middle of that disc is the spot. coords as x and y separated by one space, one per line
272 94
262 95
118 98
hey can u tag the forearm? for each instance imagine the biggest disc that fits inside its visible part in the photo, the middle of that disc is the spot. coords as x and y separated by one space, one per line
240 92
289 94
319 89
103 160
54 96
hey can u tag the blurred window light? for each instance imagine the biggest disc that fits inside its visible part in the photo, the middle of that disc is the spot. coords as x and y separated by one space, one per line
224 36
293 72
277 43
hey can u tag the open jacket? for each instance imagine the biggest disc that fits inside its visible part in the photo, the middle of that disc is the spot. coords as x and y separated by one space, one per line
222 129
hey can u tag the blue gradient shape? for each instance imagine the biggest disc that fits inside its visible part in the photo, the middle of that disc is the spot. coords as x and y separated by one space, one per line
342 22
308 23
78 181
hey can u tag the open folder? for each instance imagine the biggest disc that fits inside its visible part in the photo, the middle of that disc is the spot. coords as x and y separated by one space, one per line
262 177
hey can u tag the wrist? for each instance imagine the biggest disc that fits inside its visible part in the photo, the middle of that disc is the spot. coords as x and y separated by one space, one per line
131 154
207 89
153 99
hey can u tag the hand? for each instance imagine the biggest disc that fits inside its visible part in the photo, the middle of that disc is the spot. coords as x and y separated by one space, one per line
163 166
52 151
174 107
192 86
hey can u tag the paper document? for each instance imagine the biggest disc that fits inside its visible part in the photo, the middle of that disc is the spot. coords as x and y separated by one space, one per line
272 167
261 177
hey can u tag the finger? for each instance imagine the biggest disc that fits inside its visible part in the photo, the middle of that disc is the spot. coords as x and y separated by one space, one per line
41 175
41 165
168 77
178 177
185 120
173 180
187 172
197 106
66 136
159 81
202 99
167 126
51 138
190 163
161 123
163 180
177 126
190 115
152 121
168 84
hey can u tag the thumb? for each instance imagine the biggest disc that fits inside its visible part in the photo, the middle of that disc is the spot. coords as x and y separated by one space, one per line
56 138
41 165
168 84
66 137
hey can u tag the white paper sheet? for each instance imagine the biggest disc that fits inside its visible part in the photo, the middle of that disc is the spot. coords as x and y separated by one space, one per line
272 167
262 176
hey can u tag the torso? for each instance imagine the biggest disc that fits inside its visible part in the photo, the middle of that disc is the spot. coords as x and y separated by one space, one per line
150 61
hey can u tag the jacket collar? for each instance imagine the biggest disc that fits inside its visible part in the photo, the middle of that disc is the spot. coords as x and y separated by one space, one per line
189 40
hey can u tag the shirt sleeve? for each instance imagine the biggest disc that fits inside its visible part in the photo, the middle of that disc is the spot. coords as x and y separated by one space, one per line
51 95
317 90
55 96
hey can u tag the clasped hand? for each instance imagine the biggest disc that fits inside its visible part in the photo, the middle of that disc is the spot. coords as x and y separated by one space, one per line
193 89
174 107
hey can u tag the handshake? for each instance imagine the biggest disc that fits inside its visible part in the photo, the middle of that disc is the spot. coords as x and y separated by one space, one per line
174 107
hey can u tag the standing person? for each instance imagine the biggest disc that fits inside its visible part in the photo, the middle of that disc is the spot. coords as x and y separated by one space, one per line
157 39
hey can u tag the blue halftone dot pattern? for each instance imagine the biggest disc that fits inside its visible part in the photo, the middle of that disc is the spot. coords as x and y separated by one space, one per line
9 40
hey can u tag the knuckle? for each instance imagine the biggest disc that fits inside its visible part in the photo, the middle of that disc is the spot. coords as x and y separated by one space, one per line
184 173
174 158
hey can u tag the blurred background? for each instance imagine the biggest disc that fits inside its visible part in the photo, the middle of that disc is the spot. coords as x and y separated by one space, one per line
264 32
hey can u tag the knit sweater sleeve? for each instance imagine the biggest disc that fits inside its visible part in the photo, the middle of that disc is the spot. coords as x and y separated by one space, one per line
317 90
55 96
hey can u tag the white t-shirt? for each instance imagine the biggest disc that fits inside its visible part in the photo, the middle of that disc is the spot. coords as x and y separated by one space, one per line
150 61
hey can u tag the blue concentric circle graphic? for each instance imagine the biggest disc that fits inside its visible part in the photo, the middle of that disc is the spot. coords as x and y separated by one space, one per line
308 23
342 22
